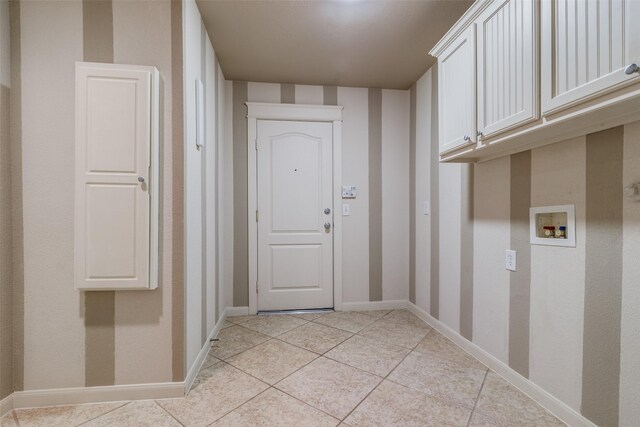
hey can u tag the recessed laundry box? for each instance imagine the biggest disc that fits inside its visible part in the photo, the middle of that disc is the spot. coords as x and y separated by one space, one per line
553 225
116 177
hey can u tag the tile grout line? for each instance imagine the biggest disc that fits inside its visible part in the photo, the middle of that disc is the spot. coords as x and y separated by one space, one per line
239 406
376 387
102 415
477 397
169 413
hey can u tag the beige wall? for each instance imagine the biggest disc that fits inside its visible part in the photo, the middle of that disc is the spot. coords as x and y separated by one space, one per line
359 236
564 319
133 327
6 262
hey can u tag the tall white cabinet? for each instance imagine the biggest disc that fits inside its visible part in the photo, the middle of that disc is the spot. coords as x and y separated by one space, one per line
526 73
116 177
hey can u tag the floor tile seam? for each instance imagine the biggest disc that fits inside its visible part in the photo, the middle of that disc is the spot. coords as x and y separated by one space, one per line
242 351
262 381
345 330
238 407
448 361
319 324
364 370
318 354
376 387
169 413
408 348
274 336
125 403
349 366
305 403
437 397
306 322
271 385
475 404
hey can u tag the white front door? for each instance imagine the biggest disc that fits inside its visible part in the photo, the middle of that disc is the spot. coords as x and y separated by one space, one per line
295 215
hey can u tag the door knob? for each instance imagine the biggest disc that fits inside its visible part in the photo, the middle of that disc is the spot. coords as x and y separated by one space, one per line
327 211
327 226
141 179
632 68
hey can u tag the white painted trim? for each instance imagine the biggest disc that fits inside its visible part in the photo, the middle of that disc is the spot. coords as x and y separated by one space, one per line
237 311
82 395
252 206
461 25
337 214
535 392
6 404
374 305
202 355
298 112
293 112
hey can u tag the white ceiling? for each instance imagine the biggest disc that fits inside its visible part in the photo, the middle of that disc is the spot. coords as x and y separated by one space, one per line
362 43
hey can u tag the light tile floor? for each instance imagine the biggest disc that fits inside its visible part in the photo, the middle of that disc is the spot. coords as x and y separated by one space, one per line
377 368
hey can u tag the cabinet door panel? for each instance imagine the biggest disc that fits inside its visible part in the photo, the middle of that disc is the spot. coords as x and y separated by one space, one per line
586 45
507 83
115 130
457 93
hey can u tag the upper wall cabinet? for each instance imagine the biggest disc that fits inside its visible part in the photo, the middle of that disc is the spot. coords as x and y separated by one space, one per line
540 72
116 177
457 88
507 66
586 46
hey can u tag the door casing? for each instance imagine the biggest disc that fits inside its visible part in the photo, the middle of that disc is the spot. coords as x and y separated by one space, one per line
291 112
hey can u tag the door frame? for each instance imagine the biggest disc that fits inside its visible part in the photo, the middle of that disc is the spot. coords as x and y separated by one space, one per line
302 113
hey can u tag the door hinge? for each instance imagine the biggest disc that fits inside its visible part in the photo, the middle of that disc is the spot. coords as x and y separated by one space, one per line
256 215
256 144
256 287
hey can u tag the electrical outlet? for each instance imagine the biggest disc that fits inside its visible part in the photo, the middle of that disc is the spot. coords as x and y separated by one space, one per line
510 260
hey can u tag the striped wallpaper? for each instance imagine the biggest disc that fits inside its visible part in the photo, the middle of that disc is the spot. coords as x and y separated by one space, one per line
98 338
565 318
375 152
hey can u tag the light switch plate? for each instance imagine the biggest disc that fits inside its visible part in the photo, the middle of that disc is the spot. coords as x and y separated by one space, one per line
346 209
349 192
510 260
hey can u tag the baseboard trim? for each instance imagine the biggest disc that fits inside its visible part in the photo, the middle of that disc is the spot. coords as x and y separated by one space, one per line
202 355
6 404
534 391
374 305
80 395
237 311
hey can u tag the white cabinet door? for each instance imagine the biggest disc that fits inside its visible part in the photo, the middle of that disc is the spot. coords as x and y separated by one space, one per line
457 92
586 45
115 126
295 215
507 64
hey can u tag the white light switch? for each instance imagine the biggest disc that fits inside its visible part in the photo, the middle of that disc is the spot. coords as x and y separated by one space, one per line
346 210
426 208
510 260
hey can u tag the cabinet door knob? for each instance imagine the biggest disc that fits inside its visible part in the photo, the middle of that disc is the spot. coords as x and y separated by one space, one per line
141 179
632 68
